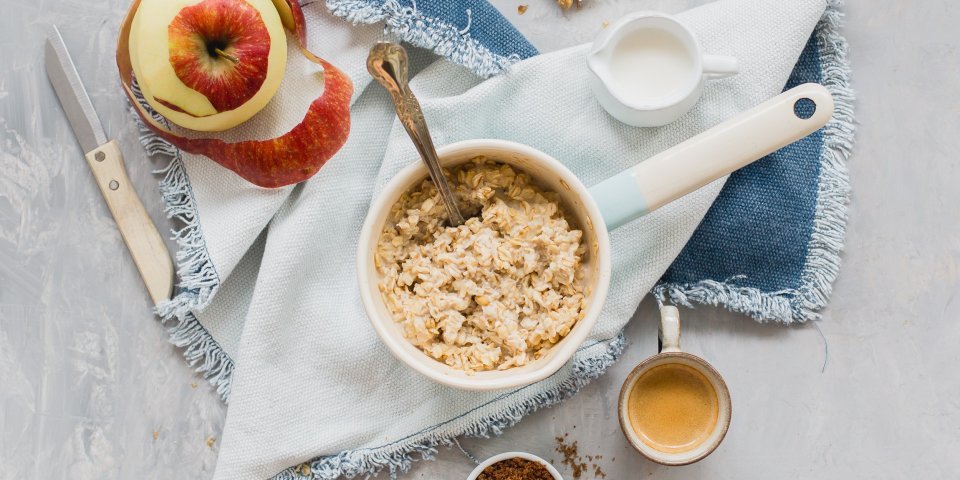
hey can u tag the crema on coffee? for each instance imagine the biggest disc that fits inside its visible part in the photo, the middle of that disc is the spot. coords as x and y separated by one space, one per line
673 408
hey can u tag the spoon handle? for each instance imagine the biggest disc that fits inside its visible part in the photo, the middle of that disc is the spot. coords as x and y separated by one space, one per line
387 63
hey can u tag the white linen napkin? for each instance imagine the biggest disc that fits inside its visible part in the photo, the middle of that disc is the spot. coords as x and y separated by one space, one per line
270 275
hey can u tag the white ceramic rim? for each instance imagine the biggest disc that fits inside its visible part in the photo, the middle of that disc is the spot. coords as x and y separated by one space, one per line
401 348
503 456
724 415
681 94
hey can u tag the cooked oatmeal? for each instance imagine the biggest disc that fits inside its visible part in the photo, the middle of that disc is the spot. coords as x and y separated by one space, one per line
494 293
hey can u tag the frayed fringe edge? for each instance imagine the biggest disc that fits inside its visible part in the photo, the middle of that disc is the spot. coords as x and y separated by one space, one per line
826 241
202 352
199 280
399 457
411 26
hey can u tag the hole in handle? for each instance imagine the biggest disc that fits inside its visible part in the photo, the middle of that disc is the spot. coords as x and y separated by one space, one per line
804 108
114 185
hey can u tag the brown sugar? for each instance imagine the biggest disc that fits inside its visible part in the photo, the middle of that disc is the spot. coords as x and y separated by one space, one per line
516 469
579 465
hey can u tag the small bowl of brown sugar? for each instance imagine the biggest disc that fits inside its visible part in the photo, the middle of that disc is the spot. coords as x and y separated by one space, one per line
514 466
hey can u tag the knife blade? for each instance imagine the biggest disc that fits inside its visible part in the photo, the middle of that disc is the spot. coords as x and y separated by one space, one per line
103 156
73 97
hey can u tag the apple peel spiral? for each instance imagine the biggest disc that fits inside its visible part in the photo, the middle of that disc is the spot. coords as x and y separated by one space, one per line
197 102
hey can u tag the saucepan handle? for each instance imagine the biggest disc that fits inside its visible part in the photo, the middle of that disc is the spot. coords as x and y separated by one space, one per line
714 153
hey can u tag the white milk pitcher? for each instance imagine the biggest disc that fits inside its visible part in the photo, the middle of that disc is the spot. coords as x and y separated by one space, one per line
648 69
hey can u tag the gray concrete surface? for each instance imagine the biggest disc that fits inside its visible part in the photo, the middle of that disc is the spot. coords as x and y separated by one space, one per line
90 389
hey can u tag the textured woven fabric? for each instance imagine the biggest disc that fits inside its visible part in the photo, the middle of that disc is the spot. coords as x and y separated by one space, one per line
769 246
269 305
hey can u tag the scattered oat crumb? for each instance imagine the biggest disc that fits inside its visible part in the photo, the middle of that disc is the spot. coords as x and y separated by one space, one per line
193 385
305 469
211 441
565 4
521 9
156 435
606 23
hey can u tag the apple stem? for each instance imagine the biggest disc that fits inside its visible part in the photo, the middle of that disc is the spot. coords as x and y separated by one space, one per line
226 55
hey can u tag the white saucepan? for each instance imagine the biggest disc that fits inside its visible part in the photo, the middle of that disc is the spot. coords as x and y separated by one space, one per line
654 182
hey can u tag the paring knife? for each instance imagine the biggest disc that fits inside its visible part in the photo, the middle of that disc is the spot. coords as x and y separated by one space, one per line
106 162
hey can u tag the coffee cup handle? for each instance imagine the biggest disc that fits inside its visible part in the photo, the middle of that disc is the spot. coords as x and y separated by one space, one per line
718 66
669 329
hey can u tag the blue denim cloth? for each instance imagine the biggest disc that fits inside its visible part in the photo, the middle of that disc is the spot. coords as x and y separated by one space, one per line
471 33
757 232
486 25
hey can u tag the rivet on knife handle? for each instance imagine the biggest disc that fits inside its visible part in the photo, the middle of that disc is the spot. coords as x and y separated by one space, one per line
137 228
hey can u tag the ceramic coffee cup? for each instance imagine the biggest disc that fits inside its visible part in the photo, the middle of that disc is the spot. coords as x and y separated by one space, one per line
674 407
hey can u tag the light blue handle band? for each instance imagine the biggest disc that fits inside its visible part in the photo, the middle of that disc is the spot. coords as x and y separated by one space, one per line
619 199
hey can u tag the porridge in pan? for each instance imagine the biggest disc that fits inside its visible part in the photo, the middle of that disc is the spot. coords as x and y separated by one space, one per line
494 293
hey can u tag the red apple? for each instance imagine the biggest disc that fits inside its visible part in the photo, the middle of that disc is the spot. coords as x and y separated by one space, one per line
219 62
220 48
208 65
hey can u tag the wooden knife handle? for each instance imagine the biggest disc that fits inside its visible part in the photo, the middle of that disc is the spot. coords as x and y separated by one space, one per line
137 228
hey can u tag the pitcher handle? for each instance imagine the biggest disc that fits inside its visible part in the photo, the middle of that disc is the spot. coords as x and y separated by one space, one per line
718 66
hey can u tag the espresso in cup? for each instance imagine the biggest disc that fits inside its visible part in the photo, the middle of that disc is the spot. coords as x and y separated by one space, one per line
674 406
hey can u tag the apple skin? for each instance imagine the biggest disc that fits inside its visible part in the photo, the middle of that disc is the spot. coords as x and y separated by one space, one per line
296 155
170 45
288 159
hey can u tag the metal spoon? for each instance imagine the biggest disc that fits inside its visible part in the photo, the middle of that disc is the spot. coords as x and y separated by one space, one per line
387 63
